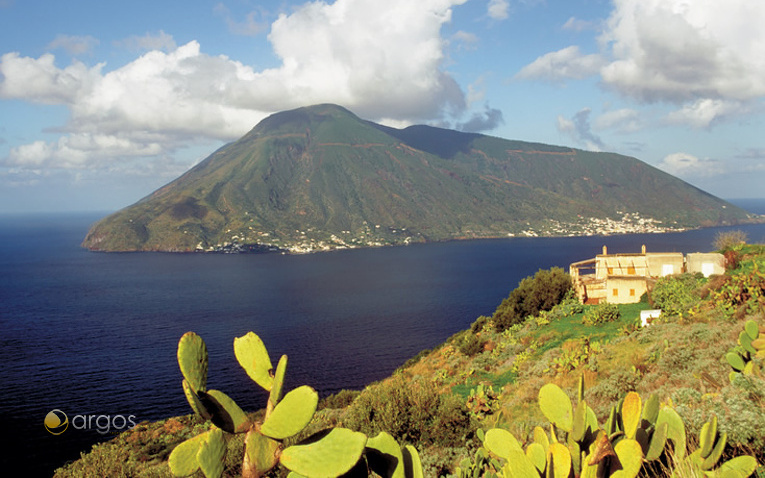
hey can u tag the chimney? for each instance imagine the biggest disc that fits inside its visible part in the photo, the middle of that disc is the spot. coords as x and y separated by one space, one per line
643 248
605 250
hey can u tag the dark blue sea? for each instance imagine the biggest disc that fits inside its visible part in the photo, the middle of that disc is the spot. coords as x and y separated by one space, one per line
96 333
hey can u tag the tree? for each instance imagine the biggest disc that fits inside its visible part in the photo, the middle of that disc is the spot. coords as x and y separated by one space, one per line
543 291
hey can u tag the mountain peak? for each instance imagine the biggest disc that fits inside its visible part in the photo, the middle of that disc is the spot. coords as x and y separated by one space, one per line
320 177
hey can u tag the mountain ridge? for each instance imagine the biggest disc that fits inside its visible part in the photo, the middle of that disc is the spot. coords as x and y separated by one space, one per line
320 178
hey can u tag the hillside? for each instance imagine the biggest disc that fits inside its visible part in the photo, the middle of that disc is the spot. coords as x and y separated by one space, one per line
320 178
490 377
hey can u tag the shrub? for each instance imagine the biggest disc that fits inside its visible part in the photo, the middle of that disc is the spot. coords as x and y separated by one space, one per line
676 295
725 240
469 344
543 291
413 412
341 399
601 313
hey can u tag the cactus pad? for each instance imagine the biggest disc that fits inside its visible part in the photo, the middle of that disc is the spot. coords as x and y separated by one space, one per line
192 360
630 456
650 411
292 414
196 405
183 458
412 463
631 413
519 465
715 454
278 384
226 414
501 442
260 454
212 451
675 430
541 437
253 357
752 329
384 456
658 442
559 461
743 465
707 436
556 406
537 455
735 360
333 455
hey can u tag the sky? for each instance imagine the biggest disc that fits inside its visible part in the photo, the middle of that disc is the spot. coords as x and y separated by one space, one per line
101 103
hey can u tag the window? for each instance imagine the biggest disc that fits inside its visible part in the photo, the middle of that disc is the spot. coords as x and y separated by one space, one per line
615 292
610 271
631 270
632 292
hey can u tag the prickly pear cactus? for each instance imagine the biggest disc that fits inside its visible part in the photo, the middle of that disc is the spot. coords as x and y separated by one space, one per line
286 416
292 414
332 455
746 357
556 406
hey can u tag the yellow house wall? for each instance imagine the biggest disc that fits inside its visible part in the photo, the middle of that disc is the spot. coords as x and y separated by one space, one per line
621 290
706 263
620 265
658 262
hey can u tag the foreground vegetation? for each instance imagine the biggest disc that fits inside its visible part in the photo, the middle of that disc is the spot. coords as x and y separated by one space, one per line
459 403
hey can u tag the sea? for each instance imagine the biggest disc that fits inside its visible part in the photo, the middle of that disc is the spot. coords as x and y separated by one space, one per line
94 335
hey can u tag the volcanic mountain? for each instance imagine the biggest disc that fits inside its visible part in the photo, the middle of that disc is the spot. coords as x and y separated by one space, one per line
321 178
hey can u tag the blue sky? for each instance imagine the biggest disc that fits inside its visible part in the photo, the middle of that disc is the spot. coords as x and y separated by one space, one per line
103 102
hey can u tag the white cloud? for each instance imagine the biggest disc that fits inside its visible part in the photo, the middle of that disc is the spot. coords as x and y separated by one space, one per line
676 50
383 60
40 81
250 26
499 9
562 64
687 165
625 120
159 41
706 56
74 45
465 40
579 25
703 113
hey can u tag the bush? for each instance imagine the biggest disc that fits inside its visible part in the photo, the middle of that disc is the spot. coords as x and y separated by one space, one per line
676 295
341 399
601 313
543 291
412 412
469 344
726 240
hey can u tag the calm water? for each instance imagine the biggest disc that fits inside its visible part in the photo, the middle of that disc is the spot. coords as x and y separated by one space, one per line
96 334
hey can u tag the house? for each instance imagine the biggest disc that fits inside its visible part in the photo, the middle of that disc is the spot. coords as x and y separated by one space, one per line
623 278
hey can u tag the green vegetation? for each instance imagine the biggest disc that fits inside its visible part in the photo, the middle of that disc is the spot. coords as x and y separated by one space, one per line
548 395
533 295
676 295
332 452
601 314
321 178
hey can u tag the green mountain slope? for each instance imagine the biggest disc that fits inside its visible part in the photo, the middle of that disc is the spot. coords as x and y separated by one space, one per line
321 178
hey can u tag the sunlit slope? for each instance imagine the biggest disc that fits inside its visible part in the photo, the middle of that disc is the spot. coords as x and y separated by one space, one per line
320 178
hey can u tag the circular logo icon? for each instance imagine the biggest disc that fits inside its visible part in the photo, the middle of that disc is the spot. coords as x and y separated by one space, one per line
56 422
